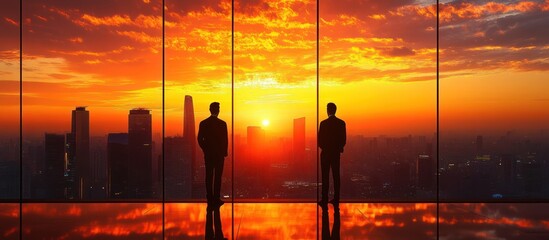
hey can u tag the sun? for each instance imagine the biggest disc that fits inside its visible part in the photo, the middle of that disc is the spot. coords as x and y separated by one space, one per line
265 122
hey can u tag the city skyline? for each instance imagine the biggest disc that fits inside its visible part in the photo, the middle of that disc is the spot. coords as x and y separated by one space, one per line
445 104
127 165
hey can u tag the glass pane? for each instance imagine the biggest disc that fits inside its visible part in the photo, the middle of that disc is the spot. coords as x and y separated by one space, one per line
275 220
9 134
9 102
92 100
190 221
379 221
494 109
9 220
494 221
92 221
275 99
378 65
198 72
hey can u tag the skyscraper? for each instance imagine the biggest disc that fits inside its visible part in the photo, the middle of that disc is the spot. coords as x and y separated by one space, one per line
189 133
140 153
118 165
78 154
54 165
189 137
425 172
98 167
178 171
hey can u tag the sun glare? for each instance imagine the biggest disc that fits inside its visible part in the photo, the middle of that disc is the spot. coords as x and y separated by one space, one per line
265 122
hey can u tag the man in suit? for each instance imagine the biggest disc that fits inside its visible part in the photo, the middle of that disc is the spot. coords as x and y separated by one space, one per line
213 139
332 137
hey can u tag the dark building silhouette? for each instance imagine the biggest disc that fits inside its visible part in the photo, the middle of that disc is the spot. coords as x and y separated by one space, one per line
9 180
98 168
401 177
425 172
54 171
140 153
509 170
118 165
189 136
78 154
178 170
189 133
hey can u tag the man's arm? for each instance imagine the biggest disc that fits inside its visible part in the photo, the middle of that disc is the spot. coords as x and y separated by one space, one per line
200 136
225 140
344 136
320 137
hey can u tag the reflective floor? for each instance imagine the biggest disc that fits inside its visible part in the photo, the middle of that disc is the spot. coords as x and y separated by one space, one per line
276 221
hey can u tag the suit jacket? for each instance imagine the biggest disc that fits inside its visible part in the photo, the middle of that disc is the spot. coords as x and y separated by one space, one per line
213 137
332 134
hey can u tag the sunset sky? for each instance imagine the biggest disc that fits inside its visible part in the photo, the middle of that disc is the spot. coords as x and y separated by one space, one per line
377 62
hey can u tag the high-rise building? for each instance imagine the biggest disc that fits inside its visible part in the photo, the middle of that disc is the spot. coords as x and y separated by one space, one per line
178 171
9 180
78 154
401 177
140 153
118 165
189 136
425 172
510 168
54 166
189 133
98 167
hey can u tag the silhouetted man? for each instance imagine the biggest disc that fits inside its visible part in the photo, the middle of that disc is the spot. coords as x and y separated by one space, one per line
213 139
332 137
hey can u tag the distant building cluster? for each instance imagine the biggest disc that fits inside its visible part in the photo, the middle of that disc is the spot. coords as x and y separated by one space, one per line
128 165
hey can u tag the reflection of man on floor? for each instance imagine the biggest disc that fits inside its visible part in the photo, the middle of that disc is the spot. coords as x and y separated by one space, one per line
213 139
332 137
335 235
213 220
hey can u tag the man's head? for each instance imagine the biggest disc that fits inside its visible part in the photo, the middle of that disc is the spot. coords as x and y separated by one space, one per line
214 108
331 108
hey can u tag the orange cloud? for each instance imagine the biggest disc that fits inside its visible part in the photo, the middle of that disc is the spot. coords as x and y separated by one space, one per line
465 10
11 21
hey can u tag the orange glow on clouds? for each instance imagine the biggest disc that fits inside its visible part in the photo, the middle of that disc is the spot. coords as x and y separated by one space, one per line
381 55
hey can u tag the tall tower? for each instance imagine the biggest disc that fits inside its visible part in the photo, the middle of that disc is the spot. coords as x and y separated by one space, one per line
78 154
189 137
189 133
140 153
